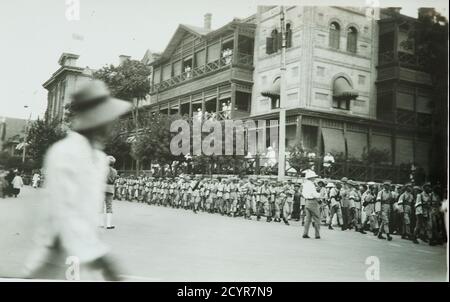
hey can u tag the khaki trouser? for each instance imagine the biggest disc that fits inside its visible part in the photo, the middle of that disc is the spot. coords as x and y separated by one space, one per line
312 214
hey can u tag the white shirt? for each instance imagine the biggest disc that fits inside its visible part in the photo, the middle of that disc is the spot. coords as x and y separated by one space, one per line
17 182
74 194
309 190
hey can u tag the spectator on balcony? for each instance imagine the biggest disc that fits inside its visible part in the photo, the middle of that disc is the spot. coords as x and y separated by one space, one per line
227 54
188 71
226 109
199 115
311 160
328 162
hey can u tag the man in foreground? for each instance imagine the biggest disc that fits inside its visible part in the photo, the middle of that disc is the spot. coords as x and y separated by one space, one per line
76 170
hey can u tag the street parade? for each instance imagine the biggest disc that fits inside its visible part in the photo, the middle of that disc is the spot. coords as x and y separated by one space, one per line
384 209
224 143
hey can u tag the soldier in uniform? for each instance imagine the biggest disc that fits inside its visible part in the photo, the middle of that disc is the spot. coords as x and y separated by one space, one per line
386 199
355 196
368 201
277 197
422 206
404 203
265 200
288 203
436 217
220 193
345 203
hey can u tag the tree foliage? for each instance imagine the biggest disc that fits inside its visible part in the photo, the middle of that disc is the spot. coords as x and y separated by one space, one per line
298 158
152 144
41 135
127 81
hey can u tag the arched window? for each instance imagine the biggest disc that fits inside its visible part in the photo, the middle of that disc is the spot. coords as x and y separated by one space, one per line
352 38
274 35
335 34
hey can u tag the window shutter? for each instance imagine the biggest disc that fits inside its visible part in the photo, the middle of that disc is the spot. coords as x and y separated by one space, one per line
280 40
288 38
269 45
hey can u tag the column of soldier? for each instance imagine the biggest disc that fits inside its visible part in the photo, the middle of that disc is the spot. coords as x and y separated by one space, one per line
381 208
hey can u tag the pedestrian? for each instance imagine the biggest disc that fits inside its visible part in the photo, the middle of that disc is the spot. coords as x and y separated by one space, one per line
312 196
76 174
422 205
9 178
333 200
3 185
109 193
35 180
17 184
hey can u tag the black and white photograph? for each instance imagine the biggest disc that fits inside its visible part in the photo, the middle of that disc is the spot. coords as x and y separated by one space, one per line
224 141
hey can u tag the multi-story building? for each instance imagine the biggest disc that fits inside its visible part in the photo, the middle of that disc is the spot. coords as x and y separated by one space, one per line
205 70
344 95
12 133
62 84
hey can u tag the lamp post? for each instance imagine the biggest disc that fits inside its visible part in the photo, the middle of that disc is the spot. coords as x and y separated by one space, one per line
24 147
282 118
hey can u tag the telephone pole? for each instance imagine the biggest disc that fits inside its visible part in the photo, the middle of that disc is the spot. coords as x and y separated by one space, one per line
282 119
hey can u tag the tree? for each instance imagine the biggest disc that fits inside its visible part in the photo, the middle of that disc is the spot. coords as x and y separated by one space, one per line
129 81
430 43
152 143
118 147
41 135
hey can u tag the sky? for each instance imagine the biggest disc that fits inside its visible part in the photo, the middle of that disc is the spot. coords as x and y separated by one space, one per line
34 34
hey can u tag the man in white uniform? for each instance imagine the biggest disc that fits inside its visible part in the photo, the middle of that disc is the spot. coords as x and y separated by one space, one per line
76 173
309 192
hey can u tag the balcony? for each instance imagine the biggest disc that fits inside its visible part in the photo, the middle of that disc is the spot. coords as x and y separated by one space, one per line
242 60
401 58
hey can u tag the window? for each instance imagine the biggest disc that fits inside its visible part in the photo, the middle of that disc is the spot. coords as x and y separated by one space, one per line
352 37
335 34
288 35
361 79
341 104
320 71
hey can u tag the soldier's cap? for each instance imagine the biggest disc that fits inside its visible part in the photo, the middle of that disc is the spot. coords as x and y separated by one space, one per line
330 185
344 179
321 182
371 183
427 184
387 182
417 188
296 184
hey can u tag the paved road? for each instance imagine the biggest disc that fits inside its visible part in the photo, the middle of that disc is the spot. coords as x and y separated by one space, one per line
163 244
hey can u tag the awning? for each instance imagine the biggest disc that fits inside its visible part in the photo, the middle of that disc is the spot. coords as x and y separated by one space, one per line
333 140
274 90
343 90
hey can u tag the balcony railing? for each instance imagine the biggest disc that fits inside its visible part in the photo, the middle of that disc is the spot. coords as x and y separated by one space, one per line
222 63
403 58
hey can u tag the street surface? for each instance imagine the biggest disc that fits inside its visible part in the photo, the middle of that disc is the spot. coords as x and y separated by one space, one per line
154 243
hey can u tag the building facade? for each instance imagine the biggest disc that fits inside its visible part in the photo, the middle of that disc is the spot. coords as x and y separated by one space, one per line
205 70
63 83
342 95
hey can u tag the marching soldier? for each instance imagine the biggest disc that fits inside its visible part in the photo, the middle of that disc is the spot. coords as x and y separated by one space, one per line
355 196
289 202
368 200
422 214
404 208
385 197
345 204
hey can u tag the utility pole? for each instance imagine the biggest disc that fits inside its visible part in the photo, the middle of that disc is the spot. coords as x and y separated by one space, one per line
282 120
24 147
